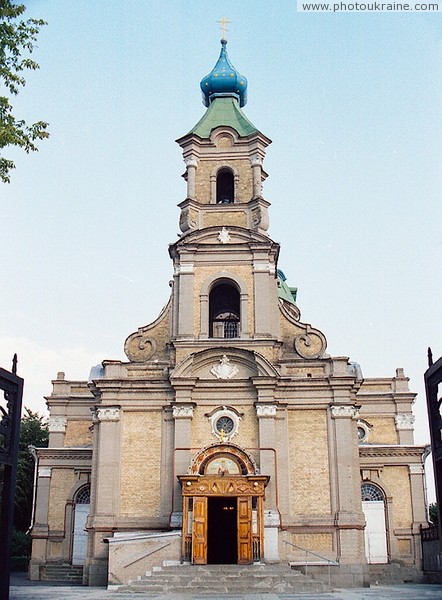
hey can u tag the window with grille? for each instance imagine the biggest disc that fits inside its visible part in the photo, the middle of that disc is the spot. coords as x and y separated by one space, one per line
371 493
83 495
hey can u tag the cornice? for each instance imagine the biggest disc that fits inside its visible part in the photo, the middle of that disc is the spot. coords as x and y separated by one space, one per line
64 453
393 450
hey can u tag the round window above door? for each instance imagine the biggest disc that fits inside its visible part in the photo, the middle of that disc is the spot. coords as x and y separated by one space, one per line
225 423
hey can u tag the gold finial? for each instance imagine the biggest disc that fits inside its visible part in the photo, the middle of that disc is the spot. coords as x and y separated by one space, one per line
223 22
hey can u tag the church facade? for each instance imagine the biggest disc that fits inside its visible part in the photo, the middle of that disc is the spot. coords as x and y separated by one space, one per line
229 435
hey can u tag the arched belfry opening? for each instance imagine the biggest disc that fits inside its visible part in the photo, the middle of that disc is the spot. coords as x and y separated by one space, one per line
224 310
225 186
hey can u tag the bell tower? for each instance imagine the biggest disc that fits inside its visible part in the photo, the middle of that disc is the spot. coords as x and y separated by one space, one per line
224 259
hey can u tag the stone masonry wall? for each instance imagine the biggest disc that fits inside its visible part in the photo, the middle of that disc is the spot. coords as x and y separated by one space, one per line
140 464
78 433
244 189
62 481
308 459
397 481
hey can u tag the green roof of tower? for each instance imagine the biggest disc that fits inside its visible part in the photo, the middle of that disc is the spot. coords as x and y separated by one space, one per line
224 111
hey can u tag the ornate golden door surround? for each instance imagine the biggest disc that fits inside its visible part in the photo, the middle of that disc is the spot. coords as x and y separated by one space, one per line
223 470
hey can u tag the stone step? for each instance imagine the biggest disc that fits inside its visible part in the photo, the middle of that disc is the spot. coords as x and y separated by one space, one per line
224 579
62 572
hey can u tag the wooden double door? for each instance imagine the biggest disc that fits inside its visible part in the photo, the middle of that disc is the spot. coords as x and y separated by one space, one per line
222 530
223 519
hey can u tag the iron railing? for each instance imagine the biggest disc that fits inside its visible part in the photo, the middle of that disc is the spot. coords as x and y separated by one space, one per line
326 560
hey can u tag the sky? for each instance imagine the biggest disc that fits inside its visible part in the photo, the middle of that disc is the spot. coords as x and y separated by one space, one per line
352 102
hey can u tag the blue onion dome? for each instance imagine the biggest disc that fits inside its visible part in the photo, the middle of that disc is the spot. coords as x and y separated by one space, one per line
224 80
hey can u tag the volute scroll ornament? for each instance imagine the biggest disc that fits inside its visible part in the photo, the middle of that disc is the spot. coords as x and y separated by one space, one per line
311 344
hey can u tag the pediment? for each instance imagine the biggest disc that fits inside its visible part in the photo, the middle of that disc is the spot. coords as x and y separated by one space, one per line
224 364
223 236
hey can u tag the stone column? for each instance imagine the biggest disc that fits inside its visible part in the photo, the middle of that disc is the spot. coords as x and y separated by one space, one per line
263 316
182 414
40 529
266 414
107 489
191 164
256 163
349 516
418 500
185 296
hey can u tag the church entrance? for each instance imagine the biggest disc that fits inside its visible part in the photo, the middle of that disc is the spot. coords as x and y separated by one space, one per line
222 531
223 508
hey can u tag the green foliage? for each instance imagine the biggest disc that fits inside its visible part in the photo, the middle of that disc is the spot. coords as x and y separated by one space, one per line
21 543
16 37
33 432
433 514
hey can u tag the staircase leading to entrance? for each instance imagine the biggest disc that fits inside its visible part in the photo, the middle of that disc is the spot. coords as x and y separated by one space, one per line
224 579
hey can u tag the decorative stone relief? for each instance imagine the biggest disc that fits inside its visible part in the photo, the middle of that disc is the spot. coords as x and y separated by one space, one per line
224 370
266 410
57 424
404 421
344 411
108 413
182 411
44 471
224 236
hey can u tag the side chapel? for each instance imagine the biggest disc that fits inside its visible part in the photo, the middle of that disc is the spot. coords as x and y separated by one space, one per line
230 435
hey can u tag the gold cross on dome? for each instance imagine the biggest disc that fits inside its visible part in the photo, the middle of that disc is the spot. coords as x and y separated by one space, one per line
223 22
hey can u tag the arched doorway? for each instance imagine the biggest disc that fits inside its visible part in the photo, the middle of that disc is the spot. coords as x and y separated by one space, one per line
223 501
373 506
81 512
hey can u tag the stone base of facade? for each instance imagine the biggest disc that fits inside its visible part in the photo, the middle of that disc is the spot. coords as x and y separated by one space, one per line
338 576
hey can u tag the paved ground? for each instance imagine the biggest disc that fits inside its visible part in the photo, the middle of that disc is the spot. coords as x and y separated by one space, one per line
22 589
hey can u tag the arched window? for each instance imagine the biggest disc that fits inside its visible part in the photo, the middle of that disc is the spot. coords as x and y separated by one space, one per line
225 187
224 311
83 495
371 493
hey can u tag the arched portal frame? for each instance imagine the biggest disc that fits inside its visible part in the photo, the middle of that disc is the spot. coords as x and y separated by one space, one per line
219 169
223 471
206 288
